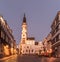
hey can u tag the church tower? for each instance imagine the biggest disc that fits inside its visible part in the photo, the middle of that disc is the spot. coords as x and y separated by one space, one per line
24 30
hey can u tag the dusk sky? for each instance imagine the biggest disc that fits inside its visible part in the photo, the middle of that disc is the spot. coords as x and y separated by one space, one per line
39 14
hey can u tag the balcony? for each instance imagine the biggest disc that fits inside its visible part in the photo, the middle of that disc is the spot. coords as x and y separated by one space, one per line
56 44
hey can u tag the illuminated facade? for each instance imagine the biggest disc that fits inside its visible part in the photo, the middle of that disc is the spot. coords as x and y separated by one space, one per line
48 45
7 42
27 44
28 47
55 30
39 48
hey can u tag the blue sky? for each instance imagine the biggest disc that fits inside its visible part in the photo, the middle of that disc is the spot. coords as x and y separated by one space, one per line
39 14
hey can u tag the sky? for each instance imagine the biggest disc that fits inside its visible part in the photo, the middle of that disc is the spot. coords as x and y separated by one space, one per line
39 16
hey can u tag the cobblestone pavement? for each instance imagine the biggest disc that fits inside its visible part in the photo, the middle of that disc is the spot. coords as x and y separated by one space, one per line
30 58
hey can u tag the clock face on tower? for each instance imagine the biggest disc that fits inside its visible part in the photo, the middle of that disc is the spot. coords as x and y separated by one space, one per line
24 30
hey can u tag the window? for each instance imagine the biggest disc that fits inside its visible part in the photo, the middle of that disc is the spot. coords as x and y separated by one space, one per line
2 35
26 50
53 41
23 41
59 26
32 50
23 51
27 46
7 38
29 51
59 36
23 35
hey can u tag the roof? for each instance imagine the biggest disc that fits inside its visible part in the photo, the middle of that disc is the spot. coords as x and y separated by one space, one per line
30 38
24 19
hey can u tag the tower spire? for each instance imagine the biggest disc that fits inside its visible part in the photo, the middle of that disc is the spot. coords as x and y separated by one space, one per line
24 30
24 14
24 18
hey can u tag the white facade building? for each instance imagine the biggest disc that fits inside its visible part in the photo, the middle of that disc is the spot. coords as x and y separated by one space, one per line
28 47
27 44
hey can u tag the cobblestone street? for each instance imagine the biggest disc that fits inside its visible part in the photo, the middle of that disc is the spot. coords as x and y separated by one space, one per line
30 58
